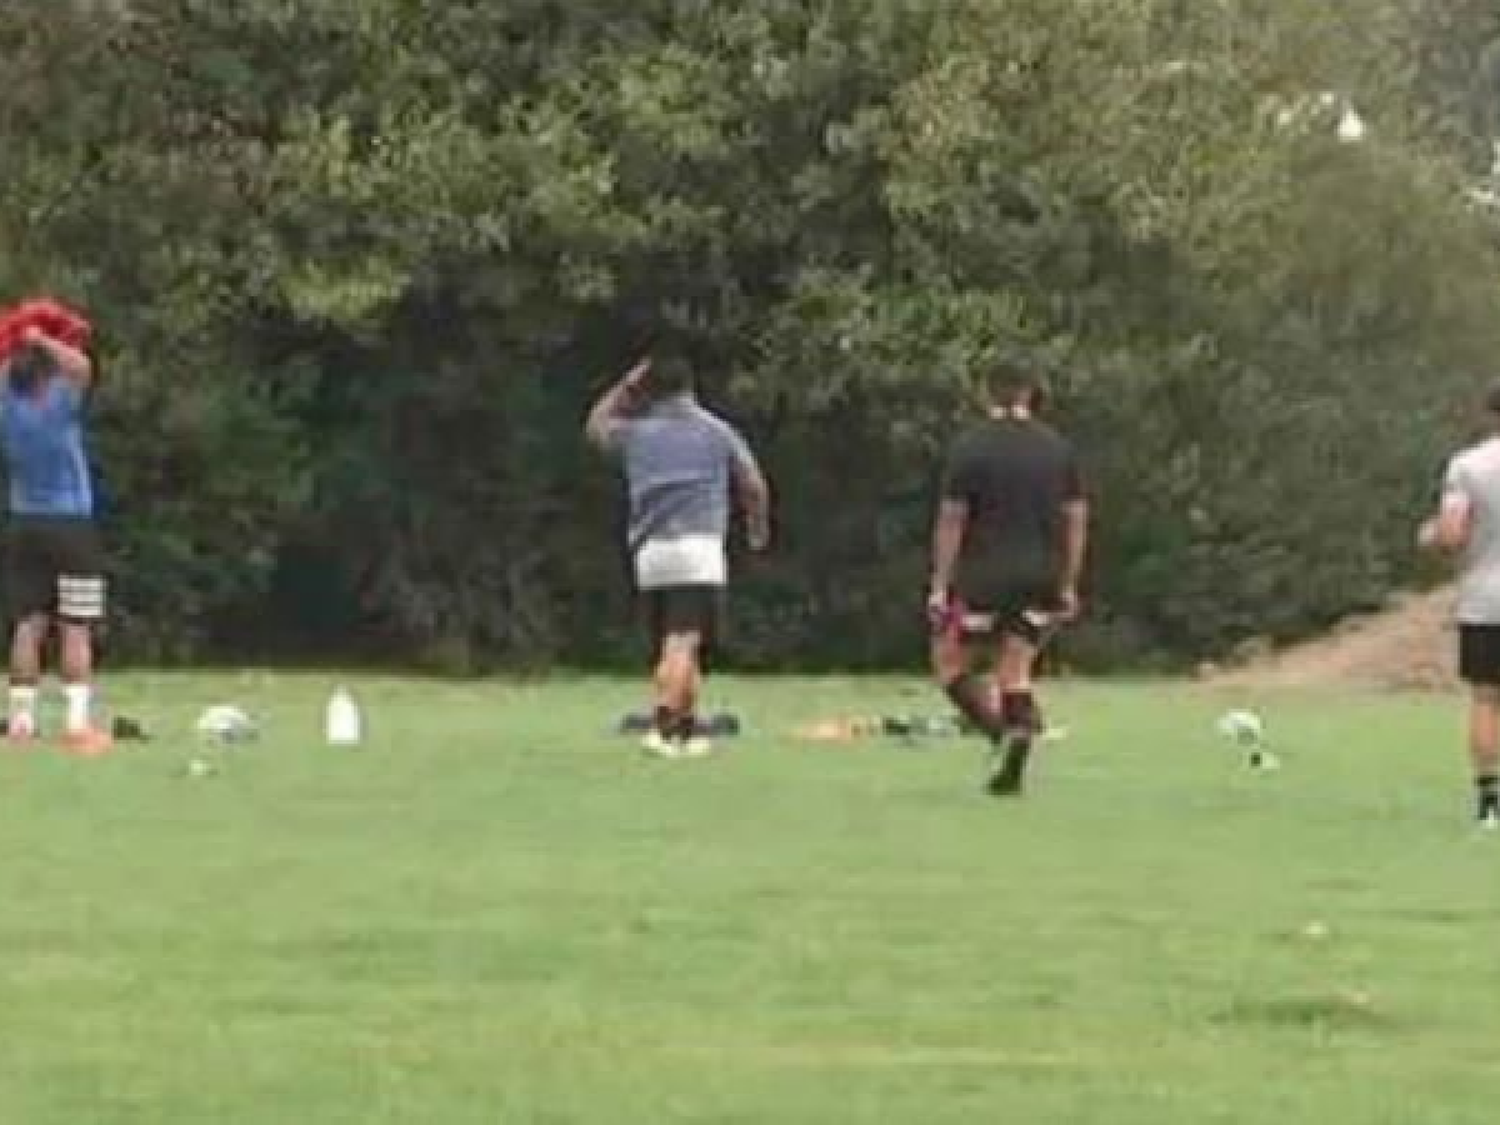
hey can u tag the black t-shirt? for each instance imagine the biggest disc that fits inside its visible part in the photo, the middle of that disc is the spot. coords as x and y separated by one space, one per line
1015 475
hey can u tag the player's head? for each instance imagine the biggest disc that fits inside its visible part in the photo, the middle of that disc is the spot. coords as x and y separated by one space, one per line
671 373
1492 404
29 367
1011 388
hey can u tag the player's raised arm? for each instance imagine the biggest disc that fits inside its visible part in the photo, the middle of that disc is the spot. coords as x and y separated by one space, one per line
612 405
72 362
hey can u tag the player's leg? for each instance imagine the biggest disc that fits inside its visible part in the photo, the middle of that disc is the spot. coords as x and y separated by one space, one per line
1479 665
27 639
953 655
30 585
80 612
689 624
682 677
1020 714
1484 751
700 620
1024 631
658 738
676 637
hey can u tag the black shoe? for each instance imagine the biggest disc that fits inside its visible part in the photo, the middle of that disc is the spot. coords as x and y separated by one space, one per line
1010 778
129 730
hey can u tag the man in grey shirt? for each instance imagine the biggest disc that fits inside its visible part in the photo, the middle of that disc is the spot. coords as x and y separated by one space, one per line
1467 526
684 468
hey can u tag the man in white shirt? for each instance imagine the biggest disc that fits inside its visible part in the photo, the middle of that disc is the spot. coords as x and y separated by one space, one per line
1467 526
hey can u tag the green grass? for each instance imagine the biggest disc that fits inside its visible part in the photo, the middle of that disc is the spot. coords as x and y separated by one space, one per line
497 912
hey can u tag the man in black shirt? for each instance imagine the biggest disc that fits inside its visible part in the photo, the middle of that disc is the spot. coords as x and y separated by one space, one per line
1007 556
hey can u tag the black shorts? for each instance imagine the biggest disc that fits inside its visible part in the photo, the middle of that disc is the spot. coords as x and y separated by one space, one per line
1026 610
54 566
1479 654
684 609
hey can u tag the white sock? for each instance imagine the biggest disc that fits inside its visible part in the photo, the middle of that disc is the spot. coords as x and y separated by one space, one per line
23 708
79 699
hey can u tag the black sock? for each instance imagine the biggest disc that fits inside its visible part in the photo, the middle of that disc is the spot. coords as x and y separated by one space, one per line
664 720
1488 785
1020 713
971 697
686 727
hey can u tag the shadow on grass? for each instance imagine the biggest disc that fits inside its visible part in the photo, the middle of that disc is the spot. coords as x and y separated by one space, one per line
1346 1010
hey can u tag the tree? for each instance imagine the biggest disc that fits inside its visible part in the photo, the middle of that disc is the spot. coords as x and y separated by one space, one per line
362 262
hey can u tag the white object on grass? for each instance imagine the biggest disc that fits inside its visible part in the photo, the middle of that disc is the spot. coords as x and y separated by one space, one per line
697 747
658 746
1244 728
342 722
225 725
1352 128
1264 760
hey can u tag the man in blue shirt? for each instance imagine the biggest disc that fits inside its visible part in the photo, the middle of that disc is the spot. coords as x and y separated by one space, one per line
684 467
54 567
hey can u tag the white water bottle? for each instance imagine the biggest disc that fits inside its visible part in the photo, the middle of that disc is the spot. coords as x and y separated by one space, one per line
342 725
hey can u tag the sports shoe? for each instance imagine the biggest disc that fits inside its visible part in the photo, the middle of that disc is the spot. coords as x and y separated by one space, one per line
1010 778
659 746
1488 819
696 747
90 742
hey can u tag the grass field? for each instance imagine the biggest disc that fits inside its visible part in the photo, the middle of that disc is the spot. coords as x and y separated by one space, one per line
498 912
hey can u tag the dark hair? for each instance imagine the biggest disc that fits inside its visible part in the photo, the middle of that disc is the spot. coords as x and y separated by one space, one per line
671 374
1010 388
30 366
1492 399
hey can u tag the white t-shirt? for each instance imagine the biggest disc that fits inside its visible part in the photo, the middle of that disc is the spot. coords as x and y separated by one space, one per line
1474 475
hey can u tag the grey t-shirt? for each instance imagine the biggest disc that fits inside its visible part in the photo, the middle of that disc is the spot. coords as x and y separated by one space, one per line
1474 475
679 464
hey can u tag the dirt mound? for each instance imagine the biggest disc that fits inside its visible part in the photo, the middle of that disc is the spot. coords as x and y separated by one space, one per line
1407 645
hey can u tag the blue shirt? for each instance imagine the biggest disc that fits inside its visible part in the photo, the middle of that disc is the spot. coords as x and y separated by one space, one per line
680 462
45 452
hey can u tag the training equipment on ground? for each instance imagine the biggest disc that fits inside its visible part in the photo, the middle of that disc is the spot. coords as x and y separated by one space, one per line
909 730
1247 731
1243 728
226 725
122 729
722 725
342 723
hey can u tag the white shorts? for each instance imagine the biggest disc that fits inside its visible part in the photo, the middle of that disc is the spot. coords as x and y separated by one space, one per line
686 560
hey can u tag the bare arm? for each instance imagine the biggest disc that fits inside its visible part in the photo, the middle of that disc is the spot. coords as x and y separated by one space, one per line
70 360
613 403
1075 547
1449 529
755 497
947 541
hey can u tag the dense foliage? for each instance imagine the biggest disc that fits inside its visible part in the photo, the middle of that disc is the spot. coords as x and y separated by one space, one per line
361 263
